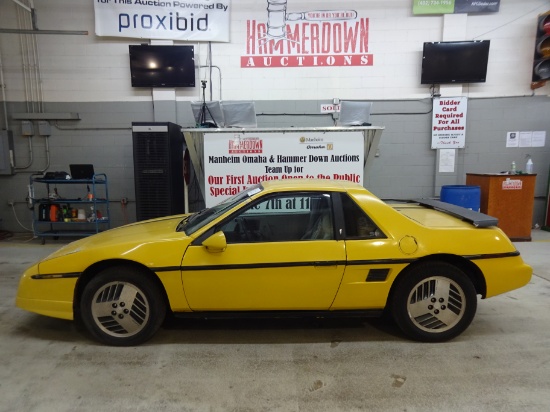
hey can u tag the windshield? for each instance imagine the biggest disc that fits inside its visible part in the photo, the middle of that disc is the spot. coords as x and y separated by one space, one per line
194 222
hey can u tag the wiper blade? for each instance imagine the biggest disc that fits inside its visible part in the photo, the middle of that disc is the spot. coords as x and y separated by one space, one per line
182 223
195 215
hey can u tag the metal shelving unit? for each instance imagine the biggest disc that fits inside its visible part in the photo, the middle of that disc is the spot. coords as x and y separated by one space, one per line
53 216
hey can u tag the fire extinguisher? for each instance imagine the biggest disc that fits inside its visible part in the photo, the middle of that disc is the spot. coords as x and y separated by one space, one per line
54 213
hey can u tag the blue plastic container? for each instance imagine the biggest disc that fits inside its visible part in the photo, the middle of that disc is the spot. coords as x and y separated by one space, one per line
462 195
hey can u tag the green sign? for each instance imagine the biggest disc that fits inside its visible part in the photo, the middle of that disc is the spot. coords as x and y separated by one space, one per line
433 6
455 6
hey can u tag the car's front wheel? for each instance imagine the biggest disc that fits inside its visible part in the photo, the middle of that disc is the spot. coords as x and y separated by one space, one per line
122 306
434 302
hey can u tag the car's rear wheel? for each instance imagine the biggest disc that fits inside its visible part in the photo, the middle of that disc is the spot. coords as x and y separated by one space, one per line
434 302
122 306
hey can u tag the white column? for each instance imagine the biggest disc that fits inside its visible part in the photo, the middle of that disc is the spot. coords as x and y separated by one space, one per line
454 29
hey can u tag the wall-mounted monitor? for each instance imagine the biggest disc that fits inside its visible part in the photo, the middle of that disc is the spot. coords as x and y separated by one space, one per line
162 66
455 62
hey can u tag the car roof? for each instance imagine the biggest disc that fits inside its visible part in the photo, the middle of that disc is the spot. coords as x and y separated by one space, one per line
310 184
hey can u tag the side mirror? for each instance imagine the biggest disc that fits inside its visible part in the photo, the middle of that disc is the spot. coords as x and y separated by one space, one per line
216 242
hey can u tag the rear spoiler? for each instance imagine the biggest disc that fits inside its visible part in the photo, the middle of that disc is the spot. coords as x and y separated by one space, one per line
475 218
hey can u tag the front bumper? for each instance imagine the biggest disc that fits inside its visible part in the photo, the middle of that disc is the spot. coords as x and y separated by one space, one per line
51 297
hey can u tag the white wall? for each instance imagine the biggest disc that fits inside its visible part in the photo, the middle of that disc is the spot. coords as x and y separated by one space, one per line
93 69
90 75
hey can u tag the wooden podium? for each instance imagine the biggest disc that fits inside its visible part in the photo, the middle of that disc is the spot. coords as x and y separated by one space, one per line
510 198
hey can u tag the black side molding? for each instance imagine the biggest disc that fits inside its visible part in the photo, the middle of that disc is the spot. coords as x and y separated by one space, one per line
281 314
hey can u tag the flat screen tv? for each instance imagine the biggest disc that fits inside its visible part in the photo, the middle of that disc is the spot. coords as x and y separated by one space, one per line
162 66
455 62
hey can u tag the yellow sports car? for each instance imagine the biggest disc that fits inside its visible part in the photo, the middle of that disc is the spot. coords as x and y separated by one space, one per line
282 248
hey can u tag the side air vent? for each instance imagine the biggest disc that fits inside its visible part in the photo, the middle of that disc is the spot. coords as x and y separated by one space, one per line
377 275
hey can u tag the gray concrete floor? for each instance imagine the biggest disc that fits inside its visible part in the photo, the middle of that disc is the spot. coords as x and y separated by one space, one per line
501 363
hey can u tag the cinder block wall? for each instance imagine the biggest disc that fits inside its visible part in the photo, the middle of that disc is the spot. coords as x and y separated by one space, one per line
405 168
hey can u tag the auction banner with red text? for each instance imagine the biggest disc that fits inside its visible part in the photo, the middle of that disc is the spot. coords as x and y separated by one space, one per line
306 38
235 161
449 122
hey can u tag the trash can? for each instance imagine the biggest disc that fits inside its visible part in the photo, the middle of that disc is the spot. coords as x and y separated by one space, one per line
462 195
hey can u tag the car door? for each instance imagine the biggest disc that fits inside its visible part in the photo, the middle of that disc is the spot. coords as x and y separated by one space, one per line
373 260
282 254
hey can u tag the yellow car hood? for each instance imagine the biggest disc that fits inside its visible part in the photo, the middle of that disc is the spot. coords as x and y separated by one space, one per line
151 242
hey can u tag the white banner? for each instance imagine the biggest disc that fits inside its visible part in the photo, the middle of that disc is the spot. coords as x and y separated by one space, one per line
235 161
193 20
449 123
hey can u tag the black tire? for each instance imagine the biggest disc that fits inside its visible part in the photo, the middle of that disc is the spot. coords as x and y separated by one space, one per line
434 302
122 306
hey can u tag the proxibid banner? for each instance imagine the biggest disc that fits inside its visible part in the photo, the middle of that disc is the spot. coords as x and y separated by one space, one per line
195 20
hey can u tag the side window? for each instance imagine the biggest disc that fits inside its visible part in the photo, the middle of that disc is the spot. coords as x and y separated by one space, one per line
358 224
283 218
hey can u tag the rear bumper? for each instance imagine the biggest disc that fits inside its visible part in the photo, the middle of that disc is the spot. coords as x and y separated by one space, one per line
504 274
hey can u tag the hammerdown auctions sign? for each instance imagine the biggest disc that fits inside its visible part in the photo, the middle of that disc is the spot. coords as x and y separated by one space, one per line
194 20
